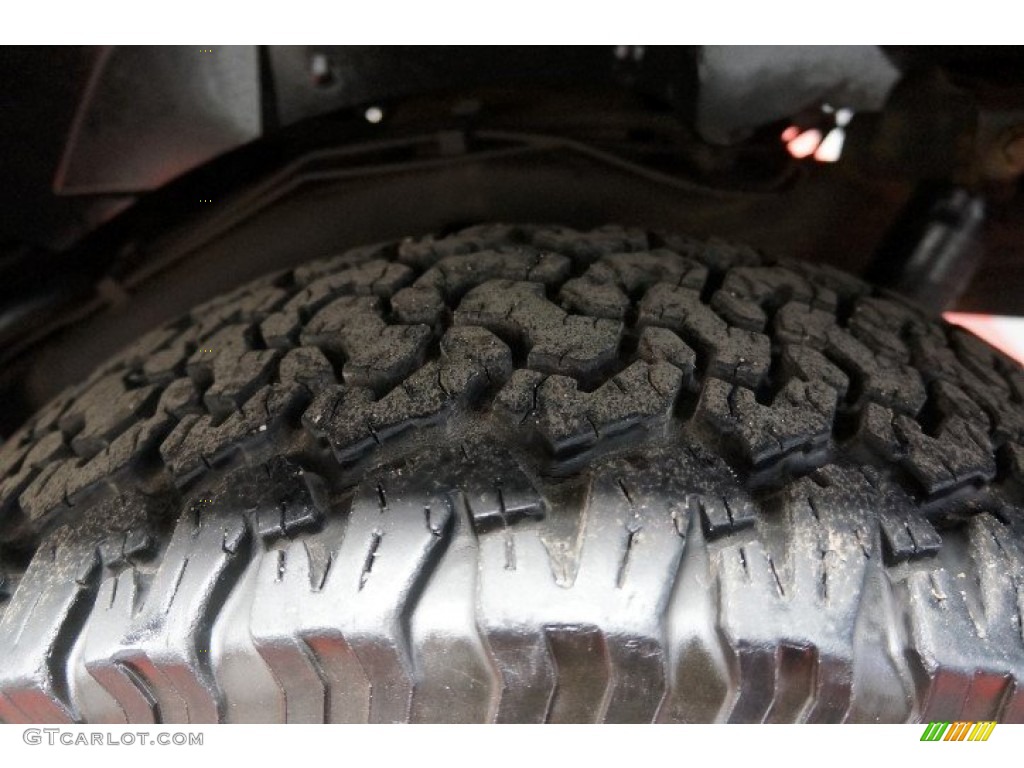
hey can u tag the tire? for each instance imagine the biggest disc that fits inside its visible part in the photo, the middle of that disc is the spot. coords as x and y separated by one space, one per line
524 474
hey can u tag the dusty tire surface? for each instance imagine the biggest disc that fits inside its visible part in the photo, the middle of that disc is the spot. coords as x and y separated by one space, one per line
524 473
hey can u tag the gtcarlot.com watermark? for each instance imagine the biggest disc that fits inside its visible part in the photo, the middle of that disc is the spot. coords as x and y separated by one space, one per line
54 737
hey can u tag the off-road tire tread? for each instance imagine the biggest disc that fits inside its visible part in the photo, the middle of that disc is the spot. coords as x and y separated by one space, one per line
525 473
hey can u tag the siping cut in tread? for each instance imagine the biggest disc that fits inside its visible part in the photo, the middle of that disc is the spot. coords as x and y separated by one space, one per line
519 474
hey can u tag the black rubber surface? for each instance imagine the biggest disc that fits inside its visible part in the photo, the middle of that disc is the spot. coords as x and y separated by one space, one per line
524 474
